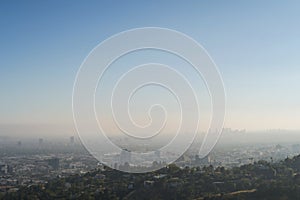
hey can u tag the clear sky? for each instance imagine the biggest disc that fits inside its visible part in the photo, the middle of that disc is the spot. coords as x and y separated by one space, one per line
256 45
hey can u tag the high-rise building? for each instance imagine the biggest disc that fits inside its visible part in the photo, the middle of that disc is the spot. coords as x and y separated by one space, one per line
41 141
157 155
202 161
54 163
72 139
5 169
125 156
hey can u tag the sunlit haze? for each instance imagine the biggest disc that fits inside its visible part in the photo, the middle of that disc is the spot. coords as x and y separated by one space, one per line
255 46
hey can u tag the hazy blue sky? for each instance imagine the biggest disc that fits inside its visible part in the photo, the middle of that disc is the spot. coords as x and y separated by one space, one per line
256 45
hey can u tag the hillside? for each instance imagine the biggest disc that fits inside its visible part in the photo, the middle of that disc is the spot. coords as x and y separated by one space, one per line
260 180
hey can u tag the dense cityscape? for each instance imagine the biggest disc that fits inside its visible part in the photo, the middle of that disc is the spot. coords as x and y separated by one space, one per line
149 100
26 164
56 180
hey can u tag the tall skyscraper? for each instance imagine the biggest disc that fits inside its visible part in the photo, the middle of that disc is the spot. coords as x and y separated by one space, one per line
72 140
125 156
41 141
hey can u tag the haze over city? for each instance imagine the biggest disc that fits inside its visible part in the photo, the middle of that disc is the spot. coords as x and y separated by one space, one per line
255 46
164 100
